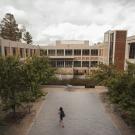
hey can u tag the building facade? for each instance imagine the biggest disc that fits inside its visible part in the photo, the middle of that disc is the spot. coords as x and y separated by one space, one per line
75 57
13 48
116 43
78 57
130 51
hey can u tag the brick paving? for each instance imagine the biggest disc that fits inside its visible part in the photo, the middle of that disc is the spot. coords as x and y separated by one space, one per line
85 115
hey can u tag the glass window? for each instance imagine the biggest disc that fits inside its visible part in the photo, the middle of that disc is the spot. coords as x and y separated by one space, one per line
85 64
51 52
94 63
85 52
14 51
132 51
43 52
21 52
60 52
27 54
94 52
68 63
77 63
60 63
77 52
53 63
31 52
6 50
68 52
111 48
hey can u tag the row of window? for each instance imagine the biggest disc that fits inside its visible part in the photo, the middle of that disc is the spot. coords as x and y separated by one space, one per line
69 52
21 51
61 63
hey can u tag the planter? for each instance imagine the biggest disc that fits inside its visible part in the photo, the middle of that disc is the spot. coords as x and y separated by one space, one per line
89 86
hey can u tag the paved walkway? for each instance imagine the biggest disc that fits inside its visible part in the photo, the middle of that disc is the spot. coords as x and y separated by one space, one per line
85 115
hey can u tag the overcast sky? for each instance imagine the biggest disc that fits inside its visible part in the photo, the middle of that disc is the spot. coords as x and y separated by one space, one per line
49 20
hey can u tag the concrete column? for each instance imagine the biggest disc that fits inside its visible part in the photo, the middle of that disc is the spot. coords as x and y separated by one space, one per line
72 52
55 53
24 52
64 52
64 63
28 52
81 63
81 57
2 51
89 64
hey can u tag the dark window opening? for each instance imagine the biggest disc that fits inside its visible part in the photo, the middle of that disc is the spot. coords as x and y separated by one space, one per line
60 52
94 63
77 63
132 51
85 64
77 52
94 52
68 52
85 52
111 48
14 51
68 63
51 52
60 63
21 52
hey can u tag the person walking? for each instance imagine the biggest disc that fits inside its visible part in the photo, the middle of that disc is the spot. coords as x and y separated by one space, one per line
61 116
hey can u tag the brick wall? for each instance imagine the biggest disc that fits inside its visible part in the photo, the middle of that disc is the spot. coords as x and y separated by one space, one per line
120 45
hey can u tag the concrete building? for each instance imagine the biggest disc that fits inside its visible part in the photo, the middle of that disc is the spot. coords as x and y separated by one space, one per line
75 57
78 57
116 47
13 48
130 50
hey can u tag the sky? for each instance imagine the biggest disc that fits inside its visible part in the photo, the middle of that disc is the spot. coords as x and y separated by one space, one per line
50 20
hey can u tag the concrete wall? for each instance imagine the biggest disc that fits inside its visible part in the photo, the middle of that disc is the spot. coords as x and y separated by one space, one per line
10 48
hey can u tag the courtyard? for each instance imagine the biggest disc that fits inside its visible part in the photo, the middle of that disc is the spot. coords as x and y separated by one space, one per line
85 113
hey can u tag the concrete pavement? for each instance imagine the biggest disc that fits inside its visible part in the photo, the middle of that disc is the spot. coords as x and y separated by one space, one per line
85 115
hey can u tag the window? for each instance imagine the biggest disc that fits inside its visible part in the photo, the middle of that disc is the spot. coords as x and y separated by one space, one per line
77 52
53 63
132 51
60 52
34 51
94 63
77 63
68 52
94 52
6 50
31 52
111 48
85 52
27 53
85 64
68 63
21 52
51 52
60 63
43 52
14 51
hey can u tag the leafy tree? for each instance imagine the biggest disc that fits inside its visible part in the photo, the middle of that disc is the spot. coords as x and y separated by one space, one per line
104 74
27 38
11 83
20 81
38 71
9 28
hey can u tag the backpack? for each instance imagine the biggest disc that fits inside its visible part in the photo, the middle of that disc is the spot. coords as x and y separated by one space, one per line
63 114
